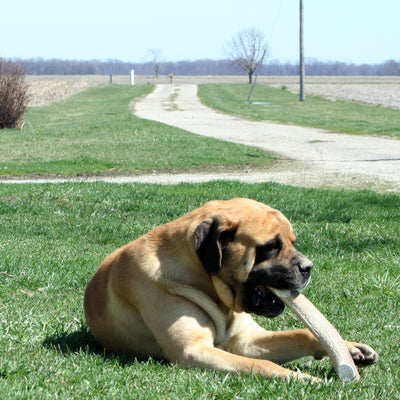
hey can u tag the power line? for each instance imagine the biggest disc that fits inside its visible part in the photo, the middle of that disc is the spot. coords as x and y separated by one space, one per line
276 20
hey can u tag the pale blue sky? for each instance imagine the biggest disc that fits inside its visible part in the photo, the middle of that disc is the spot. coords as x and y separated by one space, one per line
356 31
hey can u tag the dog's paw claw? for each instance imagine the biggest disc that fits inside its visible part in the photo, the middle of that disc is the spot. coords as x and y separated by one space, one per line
362 354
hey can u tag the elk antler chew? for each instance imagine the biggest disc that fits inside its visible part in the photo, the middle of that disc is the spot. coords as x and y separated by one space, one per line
330 338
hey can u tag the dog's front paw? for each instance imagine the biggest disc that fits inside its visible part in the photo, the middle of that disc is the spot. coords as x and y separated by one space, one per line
362 354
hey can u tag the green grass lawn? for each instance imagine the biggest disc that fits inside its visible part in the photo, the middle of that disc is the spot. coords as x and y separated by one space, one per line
95 132
53 238
284 106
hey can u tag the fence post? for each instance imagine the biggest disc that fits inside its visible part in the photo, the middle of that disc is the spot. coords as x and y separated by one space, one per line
132 80
110 79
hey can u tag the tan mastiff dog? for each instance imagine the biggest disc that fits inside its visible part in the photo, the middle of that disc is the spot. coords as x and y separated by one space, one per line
185 291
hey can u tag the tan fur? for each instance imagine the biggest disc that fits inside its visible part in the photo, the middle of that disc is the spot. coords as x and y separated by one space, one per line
153 297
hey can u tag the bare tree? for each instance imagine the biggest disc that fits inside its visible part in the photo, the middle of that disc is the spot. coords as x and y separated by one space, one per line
155 62
248 49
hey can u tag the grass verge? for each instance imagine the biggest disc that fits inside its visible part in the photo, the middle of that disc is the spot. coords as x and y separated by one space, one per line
95 132
53 237
283 106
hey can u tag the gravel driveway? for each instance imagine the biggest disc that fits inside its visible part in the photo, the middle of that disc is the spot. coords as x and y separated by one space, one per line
311 157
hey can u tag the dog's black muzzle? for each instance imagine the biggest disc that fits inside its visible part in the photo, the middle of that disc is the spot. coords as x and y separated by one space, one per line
258 299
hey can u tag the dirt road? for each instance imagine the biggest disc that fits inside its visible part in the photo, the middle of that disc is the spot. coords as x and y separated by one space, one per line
321 158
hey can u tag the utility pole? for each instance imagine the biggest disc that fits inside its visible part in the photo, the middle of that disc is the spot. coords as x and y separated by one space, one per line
302 68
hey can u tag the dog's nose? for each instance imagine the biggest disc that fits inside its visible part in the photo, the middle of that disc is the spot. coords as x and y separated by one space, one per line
305 268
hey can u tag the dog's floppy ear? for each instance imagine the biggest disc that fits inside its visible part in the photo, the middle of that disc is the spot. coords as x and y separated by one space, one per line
210 239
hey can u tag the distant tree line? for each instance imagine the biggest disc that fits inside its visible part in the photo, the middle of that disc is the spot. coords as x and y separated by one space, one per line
335 68
40 66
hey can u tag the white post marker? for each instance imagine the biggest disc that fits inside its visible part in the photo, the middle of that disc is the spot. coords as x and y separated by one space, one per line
132 77
330 338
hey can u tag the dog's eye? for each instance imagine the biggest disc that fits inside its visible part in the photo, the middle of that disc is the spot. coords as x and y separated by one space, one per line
268 251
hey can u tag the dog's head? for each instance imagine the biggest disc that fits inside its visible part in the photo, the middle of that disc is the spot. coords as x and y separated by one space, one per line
246 246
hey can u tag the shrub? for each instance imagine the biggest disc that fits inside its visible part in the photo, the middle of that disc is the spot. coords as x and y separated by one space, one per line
13 94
